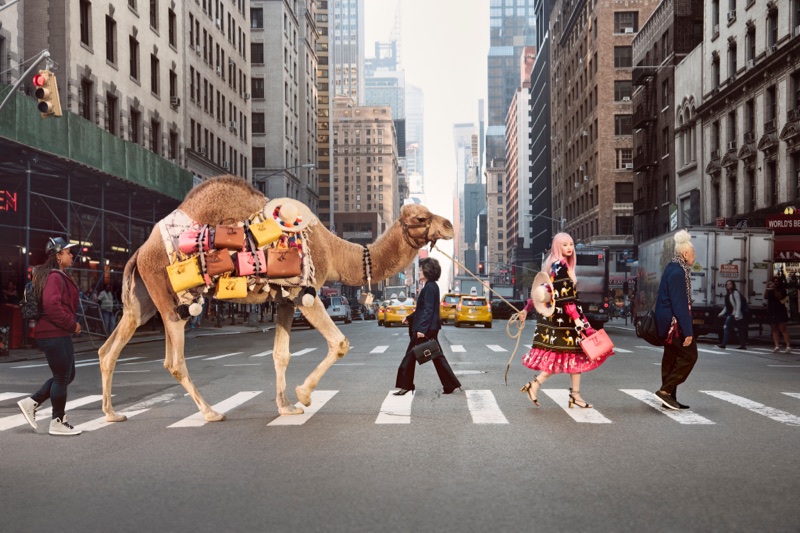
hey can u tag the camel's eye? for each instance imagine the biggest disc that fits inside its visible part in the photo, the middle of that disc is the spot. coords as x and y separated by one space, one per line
421 219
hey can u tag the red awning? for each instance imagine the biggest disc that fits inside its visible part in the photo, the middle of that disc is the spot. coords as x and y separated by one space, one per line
787 248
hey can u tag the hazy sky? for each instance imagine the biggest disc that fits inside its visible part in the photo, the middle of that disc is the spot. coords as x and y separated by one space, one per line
444 48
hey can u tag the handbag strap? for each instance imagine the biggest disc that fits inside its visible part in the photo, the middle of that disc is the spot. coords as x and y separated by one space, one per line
251 244
224 220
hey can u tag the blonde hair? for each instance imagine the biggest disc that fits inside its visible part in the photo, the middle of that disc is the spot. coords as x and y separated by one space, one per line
683 242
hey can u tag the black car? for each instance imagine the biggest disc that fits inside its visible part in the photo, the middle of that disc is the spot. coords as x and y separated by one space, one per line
501 309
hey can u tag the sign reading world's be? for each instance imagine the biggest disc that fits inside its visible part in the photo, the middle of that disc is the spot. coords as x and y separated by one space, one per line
784 224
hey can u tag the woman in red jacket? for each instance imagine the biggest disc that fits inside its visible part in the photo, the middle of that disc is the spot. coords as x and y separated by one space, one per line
58 300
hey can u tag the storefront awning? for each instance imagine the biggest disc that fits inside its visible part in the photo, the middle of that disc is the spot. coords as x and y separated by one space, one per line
787 248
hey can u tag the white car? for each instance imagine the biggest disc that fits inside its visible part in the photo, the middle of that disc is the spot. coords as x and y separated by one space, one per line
338 308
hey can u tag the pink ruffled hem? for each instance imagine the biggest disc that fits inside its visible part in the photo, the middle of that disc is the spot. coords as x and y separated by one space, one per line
561 362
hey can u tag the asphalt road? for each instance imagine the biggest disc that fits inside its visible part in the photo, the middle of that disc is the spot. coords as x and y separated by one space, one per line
484 459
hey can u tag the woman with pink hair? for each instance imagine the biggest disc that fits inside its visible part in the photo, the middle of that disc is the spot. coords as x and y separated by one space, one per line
556 348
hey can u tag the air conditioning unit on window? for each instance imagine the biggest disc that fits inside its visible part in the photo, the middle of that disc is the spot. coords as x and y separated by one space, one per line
626 98
731 16
629 166
627 30
585 133
197 49
225 165
219 24
174 101
233 125
203 151
716 29
219 71
751 63
247 96
732 145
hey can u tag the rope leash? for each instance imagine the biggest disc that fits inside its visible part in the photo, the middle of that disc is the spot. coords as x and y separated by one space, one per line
513 321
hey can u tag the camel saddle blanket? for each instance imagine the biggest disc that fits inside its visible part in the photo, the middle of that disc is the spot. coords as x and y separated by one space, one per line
177 222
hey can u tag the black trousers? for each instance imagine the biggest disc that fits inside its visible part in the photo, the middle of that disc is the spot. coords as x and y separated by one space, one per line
677 364
405 373
61 358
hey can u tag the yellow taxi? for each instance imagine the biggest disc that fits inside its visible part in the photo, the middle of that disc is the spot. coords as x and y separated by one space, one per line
396 312
447 309
381 314
473 310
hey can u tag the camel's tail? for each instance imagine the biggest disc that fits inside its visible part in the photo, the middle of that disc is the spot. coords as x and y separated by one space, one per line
129 280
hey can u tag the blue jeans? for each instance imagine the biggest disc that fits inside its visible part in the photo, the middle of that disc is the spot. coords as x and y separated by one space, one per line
109 320
61 358
741 330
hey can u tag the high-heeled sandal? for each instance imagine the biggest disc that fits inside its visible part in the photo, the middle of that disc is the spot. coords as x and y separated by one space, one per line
573 401
527 389
401 392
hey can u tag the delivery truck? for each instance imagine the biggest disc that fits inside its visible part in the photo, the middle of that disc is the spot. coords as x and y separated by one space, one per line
722 254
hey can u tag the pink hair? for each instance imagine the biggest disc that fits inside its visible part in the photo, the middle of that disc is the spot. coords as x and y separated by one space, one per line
555 253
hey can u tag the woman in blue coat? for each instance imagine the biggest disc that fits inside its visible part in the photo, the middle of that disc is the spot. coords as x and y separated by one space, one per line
674 320
425 323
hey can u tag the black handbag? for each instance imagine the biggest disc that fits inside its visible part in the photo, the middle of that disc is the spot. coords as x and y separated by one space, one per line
647 329
427 350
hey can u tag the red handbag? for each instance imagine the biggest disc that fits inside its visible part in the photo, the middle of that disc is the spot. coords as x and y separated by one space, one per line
596 345
194 240
246 263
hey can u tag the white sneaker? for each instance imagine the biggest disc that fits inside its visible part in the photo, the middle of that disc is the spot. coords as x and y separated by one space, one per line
28 408
788 350
62 427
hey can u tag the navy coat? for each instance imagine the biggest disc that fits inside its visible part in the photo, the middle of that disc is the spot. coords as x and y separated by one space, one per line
426 315
672 301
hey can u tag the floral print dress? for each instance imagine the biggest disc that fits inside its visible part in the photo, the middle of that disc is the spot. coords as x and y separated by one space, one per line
556 344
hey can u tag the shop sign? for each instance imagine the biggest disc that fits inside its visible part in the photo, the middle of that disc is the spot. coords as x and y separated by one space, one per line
729 271
8 201
784 224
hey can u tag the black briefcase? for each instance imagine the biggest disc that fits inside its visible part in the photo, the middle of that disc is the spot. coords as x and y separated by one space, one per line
427 350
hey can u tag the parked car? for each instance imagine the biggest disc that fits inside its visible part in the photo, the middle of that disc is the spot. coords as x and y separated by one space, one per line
363 312
338 308
473 310
382 311
369 312
396 313
299 320
501 309
447 309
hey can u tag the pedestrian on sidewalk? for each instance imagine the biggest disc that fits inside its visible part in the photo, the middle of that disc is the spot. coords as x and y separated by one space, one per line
425 323
776 312
555 349
733 312
58 301
106 301
674 320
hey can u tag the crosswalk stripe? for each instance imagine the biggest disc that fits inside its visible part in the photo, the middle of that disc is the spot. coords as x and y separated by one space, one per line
496 348
11 395
130 412
44 414
262 354
304 351
483 408
457 348
651 348
759 408
682 417
379 349
396 409
221 356
78 364
622 350
587 416
318 399
793 394
716 352
197 420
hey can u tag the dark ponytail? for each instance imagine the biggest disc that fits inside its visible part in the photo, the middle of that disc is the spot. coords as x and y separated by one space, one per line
40 275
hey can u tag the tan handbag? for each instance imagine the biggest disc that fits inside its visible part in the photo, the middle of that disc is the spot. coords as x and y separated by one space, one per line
185 274
283 262
265 232
218 262
228 237
231 287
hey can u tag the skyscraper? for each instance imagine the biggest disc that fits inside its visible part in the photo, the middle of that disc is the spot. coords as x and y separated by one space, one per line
347 48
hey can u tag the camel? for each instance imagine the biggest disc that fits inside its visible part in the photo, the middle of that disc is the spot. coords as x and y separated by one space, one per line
146 289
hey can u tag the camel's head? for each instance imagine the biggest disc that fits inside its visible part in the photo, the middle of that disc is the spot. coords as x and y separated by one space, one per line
421 227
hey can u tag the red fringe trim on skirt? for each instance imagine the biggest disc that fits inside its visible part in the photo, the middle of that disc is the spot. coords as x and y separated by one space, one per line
561 362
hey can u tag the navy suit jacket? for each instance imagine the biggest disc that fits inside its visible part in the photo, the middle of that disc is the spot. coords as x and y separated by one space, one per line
426 315
672 301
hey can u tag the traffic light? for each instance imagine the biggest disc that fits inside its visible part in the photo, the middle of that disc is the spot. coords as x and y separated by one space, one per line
480 268
47 94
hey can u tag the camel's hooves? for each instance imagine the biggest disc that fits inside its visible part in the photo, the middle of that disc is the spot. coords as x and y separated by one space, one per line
303 395
116 418
291 410
213 416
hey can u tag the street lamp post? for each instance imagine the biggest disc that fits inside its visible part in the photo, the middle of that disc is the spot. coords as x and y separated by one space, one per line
275 172
561 221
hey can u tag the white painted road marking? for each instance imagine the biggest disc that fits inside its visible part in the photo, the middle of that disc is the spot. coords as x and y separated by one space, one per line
11 395
587 416
483 408
793 394
496 348
262 354
44 414
131 411
621 350
379 349
716 352
396 409
221 356
197 420
97 362
303 352
457 348
651 348
683 417
784 366
318 399
770 412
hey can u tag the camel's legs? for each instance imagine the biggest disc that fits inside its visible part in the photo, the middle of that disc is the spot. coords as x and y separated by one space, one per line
338 346
281 355
175 362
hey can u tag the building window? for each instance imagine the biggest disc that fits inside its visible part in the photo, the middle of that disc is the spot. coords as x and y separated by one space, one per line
771 178
715 72
111 40
622 90
154 74
133 44
770 105
132 4
624 225
87 94
623 57
715 16
772 28
257 87
665 96
256 18
751 190
136 127
750 45
173 85
173 146
732 51
154 14
259 157
732 195
86 22
112 112
626 22
623 193
257 53
750 117
624 159
173 29
259 125
622 125
155 136
665 142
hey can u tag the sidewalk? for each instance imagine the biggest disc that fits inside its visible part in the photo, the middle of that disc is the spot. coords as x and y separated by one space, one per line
88 344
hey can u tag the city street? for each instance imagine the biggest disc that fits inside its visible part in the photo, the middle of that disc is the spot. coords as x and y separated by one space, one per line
361 459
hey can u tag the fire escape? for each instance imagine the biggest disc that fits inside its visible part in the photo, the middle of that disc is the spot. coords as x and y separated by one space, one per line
645 153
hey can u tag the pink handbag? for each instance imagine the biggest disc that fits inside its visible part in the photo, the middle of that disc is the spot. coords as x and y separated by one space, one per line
246 263
194 240
596 345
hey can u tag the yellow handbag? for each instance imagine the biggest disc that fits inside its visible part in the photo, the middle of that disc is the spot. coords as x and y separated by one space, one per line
231 287
265 232
185 274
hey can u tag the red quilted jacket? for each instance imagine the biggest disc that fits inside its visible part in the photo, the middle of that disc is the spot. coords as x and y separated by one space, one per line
59 307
